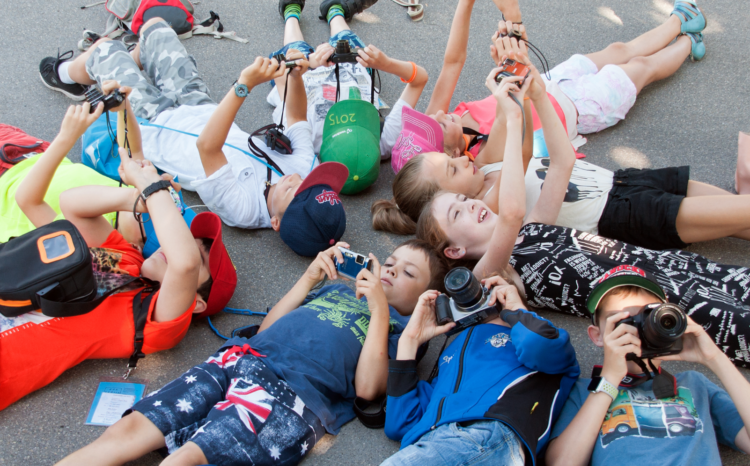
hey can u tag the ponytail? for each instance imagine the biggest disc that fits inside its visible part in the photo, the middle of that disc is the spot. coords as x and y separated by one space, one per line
411 191
386 216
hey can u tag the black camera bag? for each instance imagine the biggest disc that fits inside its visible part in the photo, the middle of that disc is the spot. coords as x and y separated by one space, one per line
49 269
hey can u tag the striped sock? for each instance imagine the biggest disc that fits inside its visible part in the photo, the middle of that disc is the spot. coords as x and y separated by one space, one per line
292 11
335 10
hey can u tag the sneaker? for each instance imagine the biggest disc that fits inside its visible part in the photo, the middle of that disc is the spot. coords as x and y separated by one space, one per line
351 7
89 38
284 3
48 72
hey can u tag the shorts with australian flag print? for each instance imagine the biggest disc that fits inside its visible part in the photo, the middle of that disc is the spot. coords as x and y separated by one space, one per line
236 410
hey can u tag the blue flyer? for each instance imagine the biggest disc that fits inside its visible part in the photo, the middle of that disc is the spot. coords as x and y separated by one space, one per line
112 399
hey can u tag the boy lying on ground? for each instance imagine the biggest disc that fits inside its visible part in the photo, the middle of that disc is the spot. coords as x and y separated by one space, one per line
268 399
618 418
193 270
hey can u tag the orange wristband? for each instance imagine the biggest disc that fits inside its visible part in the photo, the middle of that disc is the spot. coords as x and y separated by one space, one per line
413 74
527 98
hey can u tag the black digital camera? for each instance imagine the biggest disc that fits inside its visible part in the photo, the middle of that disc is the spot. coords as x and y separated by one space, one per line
343 53
276 140
466 301
280 57
353 263
94 96
660 329
512 68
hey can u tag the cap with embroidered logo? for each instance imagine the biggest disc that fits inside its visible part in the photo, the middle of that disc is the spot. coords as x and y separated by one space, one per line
315 219
419 134
622 275
351 136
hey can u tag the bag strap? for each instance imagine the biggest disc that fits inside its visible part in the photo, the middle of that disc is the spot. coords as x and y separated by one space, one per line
212 26
369 417
12 161
74 308
140 314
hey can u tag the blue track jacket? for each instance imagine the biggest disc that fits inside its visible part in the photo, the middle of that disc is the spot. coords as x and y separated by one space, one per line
520 375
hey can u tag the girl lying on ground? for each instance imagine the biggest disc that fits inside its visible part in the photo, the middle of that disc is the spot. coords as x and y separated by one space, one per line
309 360
555 267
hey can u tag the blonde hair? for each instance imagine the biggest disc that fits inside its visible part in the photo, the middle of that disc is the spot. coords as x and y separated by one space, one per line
411 191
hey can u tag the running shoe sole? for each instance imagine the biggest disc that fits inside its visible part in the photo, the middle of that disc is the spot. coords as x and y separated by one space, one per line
75 97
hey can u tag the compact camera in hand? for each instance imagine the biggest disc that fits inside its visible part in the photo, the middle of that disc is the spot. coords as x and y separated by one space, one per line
513 68
660 329
353 264
94 96
466 302
280 57
343 53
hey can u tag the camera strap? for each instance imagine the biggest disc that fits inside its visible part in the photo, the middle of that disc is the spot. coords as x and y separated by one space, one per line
664 385
258 152
477 140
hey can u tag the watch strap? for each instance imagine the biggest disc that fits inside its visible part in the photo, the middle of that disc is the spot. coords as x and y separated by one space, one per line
154 187
603 385
240 90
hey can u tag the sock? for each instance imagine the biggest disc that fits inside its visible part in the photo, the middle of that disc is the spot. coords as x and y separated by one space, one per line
292 11
62 72
335 10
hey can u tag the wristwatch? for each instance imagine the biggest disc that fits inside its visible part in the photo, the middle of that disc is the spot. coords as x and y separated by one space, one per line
240 90
600 384
154 187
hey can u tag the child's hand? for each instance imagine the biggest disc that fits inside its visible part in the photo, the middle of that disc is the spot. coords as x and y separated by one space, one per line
368 284
321 55
502 91
175 185
262 70
504 293
77 120
697 346
110 86
505 46
372 57
537 90
422 326
618 342
138 172
323 264
299 59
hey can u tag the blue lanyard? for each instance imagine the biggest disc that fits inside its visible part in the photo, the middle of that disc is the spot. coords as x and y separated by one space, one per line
228 145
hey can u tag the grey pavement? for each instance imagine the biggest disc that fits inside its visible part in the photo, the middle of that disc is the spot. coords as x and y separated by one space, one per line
691 118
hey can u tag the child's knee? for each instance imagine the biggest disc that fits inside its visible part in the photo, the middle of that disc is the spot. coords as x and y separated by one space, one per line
149 23
641 62
617 48
127 428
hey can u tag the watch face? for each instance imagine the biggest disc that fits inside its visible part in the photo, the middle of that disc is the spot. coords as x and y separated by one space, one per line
240 90
594 384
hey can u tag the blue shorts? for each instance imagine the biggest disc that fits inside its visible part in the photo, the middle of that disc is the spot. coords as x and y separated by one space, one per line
307 49
236 410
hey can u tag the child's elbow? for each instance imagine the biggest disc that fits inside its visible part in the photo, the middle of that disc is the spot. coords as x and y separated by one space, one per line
420 80
511 211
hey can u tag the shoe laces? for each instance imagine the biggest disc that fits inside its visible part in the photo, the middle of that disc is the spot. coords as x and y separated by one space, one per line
61 58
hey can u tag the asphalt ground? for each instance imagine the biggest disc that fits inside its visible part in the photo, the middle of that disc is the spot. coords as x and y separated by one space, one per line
691 119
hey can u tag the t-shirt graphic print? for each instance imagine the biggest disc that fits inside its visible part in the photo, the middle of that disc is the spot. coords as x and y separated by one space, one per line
560 266
637 412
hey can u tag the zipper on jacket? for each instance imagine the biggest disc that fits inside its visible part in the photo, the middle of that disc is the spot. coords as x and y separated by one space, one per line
458 379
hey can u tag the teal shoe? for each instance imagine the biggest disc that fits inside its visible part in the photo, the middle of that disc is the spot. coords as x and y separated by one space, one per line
698 50
690 16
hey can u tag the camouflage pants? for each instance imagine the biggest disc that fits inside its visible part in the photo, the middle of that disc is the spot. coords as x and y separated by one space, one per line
169 77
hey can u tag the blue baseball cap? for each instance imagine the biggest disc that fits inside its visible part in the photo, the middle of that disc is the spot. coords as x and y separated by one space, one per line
315 219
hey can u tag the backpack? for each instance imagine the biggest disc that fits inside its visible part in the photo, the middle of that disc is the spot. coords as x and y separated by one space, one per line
15 145
130 15
49 268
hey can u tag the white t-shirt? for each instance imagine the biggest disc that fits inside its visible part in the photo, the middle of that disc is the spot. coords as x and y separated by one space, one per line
235 192
320 85
585 200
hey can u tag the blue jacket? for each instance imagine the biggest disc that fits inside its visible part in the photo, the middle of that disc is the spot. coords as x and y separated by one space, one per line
520 376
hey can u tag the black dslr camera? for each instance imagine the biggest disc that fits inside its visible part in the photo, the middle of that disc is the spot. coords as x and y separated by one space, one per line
343 53
466 301
660 329
94 96
280 57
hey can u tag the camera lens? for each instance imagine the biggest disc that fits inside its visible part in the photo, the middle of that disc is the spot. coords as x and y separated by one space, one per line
342 46
463 287
664 324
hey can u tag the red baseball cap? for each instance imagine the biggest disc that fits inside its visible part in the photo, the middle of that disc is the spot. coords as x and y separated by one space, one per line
332 174
223 273
419 134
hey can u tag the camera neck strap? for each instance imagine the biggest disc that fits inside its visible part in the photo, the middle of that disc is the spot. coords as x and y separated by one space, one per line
283 102
664 385
477 140
372 73
258 152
